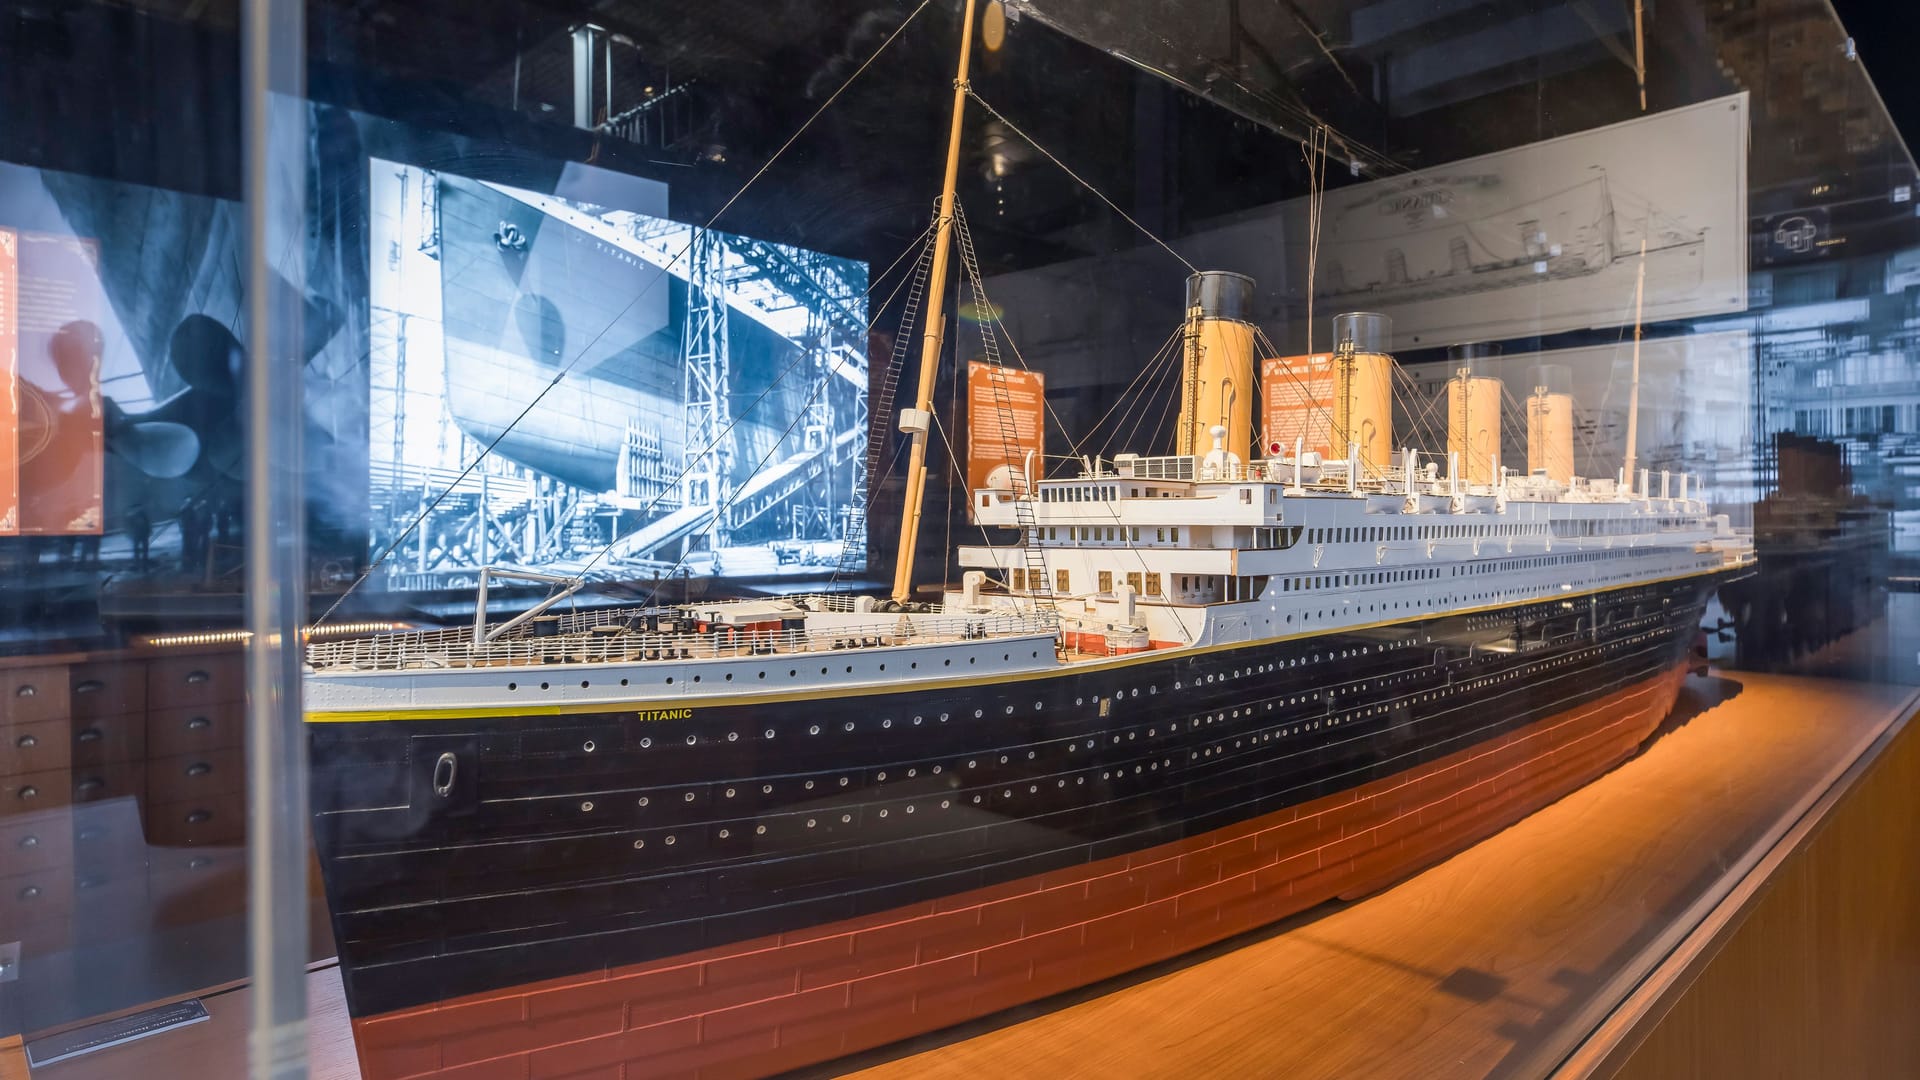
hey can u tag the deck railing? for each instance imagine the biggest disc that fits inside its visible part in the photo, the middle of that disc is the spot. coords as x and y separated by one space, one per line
608 641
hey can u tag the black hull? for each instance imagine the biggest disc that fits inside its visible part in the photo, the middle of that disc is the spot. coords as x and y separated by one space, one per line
585 842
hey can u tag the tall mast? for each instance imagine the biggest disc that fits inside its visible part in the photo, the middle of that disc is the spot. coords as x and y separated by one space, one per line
1633 389
916 420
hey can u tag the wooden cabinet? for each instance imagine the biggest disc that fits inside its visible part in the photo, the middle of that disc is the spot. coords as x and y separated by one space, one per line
122 795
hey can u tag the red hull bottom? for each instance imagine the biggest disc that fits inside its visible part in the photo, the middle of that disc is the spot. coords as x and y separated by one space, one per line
779 1002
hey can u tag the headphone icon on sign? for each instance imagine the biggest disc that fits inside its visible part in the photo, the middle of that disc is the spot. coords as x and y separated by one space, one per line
1796 234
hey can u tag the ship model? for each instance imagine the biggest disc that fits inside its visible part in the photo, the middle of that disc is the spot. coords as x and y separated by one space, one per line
1195 693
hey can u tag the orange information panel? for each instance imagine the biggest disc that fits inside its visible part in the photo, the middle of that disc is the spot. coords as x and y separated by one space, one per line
61 421
1004 421
1298 403
9 386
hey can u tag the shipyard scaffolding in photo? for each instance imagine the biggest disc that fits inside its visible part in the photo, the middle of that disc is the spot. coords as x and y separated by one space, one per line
621 396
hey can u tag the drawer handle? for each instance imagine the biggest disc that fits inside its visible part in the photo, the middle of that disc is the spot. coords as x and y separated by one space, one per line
443 772
89 882
31 892
26 741
29 792
29 841
199 862
89 835
89 686
199 817
25 690
199 768
195 678
92 734
90 785
199 723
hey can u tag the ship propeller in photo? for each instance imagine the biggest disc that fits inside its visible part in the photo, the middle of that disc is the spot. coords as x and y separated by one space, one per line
645 397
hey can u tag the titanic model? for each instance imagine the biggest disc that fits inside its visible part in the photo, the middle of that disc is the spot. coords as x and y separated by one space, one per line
1196 693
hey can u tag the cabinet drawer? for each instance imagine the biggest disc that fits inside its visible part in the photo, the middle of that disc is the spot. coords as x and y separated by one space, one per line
101 740
41 747
31 792
179 681
220 819
30 695
195 776
107 907
109 780
196 728
31 842
107 837
30 898
190 885
108 689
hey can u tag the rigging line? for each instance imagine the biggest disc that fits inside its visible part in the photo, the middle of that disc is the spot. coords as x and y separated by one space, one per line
1313 407
1044 152
563 372
1160 422
773 447
800 356
947 441
1153 363
1156 371
1167 363
972 267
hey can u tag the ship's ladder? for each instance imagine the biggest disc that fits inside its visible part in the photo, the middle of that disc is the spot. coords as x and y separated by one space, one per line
853 550
1038 582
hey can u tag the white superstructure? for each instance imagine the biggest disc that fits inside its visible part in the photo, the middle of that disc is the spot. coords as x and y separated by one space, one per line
1192 551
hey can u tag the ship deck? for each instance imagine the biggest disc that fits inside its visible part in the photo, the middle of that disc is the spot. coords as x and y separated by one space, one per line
702 632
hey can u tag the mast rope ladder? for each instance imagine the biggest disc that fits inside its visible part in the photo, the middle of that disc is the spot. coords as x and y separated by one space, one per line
853 548
1039 585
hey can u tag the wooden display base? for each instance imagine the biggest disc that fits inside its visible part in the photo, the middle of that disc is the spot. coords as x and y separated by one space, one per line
1499 960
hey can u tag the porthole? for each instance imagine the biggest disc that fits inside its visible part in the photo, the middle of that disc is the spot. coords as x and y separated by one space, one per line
638 844
623 682
583 684
669 841
543 686
646 742
813 729
513 686
586 807
724 834
587 746
759 830
769 733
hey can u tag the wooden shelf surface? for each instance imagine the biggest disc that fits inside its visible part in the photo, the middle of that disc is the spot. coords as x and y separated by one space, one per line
1488 964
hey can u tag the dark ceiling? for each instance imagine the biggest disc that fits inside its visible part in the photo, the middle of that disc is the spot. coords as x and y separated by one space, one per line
1178 110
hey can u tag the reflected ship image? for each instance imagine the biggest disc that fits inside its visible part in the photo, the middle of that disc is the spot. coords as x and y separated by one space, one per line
1454 236
1186 694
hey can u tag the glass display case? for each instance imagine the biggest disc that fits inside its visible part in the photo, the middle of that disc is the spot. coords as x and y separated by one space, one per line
699 538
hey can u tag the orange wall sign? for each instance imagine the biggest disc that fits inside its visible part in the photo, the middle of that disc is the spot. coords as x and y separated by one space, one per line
1005 408
61 420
